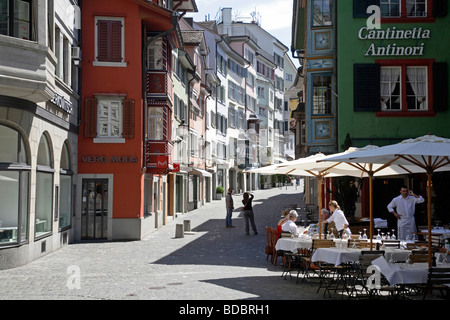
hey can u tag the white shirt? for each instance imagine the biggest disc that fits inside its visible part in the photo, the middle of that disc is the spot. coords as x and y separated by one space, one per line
405 207
339 219
290 226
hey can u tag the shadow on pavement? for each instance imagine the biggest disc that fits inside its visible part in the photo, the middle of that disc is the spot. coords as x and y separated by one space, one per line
230 246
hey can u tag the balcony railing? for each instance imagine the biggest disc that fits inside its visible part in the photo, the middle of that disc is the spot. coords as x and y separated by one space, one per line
159 84
158 155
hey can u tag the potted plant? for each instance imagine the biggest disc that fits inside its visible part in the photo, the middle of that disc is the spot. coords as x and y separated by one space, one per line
219 192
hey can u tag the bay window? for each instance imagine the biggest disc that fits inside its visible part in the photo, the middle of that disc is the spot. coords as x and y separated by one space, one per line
321 94
322 13
16 19
155 123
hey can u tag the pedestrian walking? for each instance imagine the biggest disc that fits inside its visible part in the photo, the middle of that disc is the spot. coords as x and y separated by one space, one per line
230 206
248 213
403 208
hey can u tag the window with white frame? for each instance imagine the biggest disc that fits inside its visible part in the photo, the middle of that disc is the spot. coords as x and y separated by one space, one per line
109 118
155 123
404 88
395 8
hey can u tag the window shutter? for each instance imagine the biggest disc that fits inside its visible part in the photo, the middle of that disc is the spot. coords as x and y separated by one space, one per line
440 86
440 8
90 118
109 40
366 87
116 41
360 7
102 40
128 119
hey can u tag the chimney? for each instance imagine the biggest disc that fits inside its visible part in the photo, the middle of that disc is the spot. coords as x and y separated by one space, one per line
227 20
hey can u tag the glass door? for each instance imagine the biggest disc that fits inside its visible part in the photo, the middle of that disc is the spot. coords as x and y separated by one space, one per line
94 209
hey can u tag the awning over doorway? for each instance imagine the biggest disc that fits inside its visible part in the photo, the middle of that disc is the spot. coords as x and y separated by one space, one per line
202 172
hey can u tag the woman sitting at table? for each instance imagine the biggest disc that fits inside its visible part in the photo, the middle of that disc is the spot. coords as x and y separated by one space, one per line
290 226
338 217
282 221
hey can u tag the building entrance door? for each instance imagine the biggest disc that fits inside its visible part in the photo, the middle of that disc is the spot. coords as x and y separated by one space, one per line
94 209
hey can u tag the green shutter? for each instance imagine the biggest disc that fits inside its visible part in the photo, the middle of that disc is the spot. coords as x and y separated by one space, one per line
366 87
360 7
440 8
440 86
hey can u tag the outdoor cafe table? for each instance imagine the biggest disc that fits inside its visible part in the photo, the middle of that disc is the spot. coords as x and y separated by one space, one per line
292 244
404 273
337 256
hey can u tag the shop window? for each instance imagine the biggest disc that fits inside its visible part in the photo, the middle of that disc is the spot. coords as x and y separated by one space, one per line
65 189
14 186
109 41
44 189
16 19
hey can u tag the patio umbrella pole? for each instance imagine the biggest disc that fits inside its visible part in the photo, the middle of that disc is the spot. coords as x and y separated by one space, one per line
429 217
371 209
319 182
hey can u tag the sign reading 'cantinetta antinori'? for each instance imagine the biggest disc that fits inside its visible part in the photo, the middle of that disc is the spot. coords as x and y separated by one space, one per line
394 49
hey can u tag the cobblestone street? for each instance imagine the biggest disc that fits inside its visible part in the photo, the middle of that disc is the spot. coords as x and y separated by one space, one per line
210 263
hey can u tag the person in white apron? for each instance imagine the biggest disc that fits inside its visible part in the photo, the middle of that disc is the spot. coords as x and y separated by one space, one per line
403 208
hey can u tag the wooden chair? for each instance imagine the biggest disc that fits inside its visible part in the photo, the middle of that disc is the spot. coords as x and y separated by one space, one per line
438 279
418 258
269 247
360 244
308 265
322 243
391 244
276 253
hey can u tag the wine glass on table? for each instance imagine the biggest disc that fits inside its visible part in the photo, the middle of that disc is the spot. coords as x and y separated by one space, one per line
364 237
393 235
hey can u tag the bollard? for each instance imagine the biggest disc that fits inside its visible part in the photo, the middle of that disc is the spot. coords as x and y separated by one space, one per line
179 231
187 225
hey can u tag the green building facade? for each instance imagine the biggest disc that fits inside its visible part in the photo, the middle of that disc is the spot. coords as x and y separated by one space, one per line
392 72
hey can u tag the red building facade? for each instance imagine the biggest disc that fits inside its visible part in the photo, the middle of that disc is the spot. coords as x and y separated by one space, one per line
125 140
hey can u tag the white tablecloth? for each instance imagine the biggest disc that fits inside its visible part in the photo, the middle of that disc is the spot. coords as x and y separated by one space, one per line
336 256
292 244
402 273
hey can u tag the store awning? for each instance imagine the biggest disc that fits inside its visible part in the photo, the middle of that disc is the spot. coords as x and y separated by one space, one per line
202 172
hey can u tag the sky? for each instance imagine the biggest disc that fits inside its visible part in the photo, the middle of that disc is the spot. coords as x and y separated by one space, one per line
276 16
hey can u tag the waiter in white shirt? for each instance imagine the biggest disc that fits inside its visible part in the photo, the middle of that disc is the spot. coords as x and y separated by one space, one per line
403 208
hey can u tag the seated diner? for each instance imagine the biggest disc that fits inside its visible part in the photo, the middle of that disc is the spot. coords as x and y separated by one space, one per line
290 226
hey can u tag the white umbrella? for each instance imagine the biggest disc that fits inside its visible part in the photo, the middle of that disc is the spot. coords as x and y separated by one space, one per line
267 170
427 154
322 166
